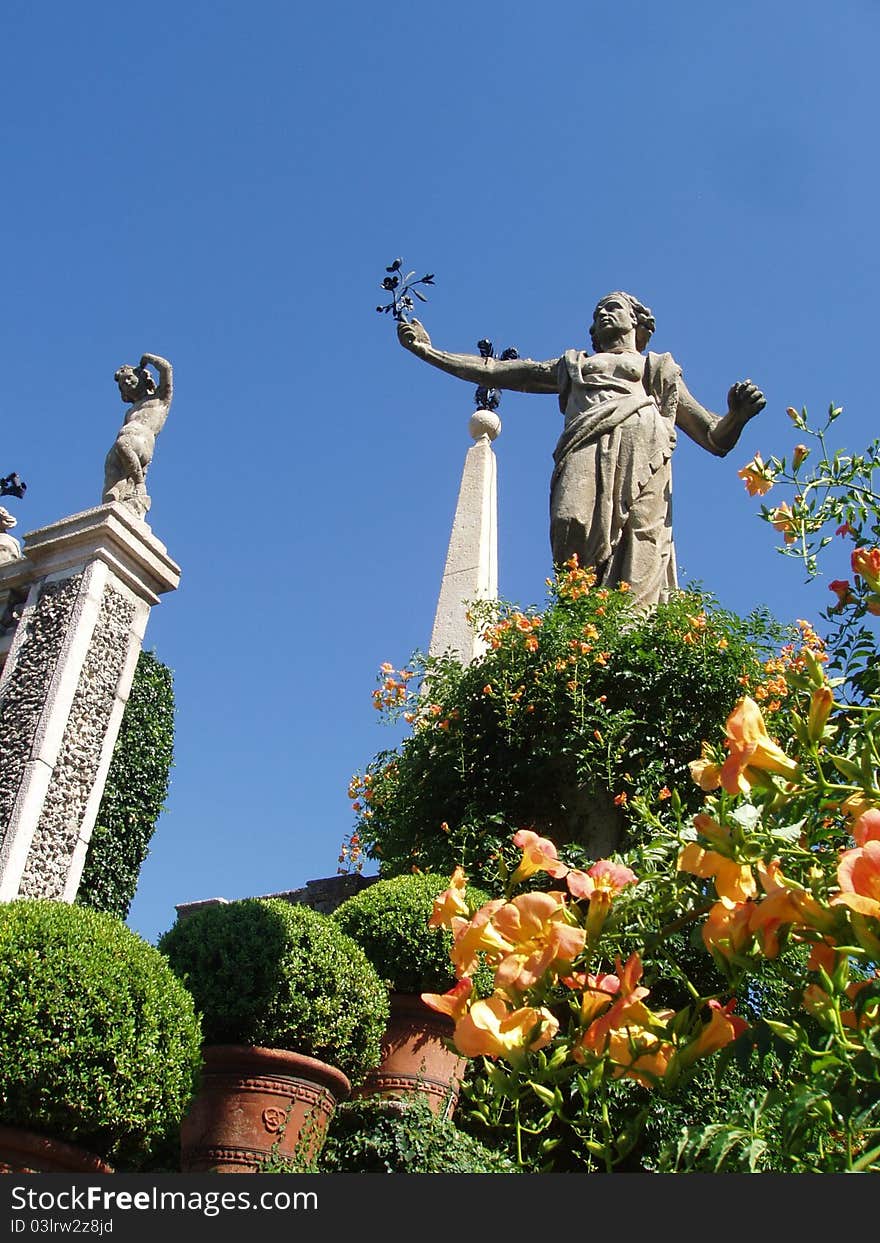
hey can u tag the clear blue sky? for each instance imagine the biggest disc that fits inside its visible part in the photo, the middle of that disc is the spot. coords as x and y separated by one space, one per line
223 183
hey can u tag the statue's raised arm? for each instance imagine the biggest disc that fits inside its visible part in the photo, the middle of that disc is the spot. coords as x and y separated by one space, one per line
522 375
162 367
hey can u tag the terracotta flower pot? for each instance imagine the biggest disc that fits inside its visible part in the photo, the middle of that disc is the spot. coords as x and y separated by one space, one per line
256 1105
415 1057
26 1152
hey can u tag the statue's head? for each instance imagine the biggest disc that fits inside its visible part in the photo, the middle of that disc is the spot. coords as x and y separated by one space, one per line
7 522
135 383
610 317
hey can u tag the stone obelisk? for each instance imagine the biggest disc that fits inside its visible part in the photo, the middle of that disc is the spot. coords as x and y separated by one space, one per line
471 570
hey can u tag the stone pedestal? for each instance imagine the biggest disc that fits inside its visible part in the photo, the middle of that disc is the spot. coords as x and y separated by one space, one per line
73 610
471 571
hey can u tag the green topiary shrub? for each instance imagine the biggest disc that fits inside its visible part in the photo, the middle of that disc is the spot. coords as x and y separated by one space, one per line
268 973
569 716
389 920
99 1042
134 793
403 1137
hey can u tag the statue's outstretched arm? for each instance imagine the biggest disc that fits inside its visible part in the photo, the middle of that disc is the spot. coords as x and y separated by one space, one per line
166 376
718 434
523 375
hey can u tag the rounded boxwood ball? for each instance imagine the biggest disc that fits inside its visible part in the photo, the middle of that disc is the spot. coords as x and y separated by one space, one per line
100 1045
389 919
271 973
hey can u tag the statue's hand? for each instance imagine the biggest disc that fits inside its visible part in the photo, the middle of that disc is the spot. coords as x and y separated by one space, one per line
745 400
413 336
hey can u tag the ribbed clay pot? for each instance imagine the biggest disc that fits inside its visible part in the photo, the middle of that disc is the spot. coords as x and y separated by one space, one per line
26 1152
415 1057
257 1105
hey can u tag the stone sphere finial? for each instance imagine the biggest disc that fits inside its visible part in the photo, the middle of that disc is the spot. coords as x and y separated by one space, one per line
484 423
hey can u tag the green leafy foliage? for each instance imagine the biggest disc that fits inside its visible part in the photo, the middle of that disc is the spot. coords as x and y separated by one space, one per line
403 1136
389 920
829 512
270 973
707 999
134 793
749 1134
99 1043
568 716
625 1127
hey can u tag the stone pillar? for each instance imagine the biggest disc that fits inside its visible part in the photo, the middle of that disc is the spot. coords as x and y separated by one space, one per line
76 608
471 570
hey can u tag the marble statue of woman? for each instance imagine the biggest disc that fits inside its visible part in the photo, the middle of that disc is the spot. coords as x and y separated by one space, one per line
611 489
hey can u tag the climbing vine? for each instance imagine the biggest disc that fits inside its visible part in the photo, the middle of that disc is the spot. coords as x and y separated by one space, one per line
135 791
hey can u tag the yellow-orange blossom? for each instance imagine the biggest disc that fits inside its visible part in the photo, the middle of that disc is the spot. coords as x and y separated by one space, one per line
752 752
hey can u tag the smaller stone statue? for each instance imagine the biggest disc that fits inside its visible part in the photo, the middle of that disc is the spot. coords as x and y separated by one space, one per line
10 549
126 464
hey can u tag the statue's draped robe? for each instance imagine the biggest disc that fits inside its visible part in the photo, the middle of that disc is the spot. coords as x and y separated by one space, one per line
611 490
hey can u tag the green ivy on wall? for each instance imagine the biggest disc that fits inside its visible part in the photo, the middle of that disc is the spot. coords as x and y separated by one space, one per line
135 791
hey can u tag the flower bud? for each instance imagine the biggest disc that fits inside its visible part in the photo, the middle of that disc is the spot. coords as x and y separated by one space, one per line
800 455
821 703
863 926
813 667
